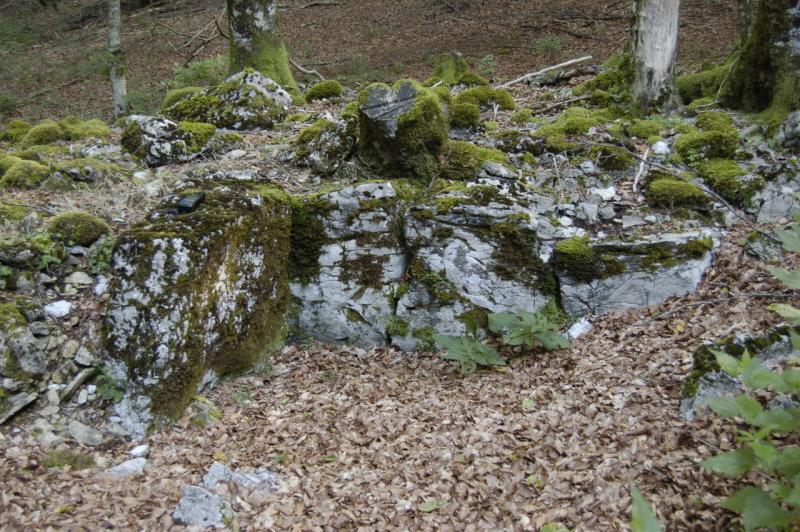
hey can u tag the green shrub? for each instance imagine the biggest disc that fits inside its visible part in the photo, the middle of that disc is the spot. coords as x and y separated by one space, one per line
77 227
324 90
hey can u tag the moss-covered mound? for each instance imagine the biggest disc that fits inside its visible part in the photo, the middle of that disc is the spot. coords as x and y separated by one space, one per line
577 258
14 130
725 177
672 193
176 95
465 115
324 90
612 87
24 174
484 97
200 290
462 160
448 69
77 227
70 128
402 129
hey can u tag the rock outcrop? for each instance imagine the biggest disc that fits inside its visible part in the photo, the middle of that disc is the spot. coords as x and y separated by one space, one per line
200 290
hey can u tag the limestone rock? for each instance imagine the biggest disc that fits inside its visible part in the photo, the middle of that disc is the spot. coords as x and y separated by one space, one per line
158 141
789 134
597 278
200 507
128 468
85 434
197 293
403 129
324 146
246 100
261 479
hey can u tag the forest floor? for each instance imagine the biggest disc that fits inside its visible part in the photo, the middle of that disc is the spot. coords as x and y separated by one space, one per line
54 61
387 440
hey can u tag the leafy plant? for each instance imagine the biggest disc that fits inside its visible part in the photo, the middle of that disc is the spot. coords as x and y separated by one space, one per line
109 388
550 46
468 352
643 518
762 446
100 254
200 73
530 329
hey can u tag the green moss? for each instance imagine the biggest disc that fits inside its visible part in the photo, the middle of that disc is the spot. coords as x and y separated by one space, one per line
471 79
175 95
523 116
365 270
671 193
10 317
613 85
462 160
75 129
324 90
693 147
12 213
421 133
397 327
15 130
43 133
425 335
580 260
196 134
436 284
311 134
443 93
307 237
475 319
77 227
644 129
696 248
6 162
701 85
68 459
448 68
484 97
465 115
195 108
514 257
613 158
724 177
785 100
714 121
572 122
24 175
699 103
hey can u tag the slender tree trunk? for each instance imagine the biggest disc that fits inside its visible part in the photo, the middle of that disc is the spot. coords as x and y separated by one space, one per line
655 39
745 17
256 41
118 85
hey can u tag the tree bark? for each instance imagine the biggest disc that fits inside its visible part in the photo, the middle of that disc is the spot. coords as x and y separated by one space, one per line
255 41
118 85
745 17
655 39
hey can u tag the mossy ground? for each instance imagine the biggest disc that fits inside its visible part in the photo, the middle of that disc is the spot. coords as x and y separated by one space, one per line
324 90
24 174
671 193
462 160
77 227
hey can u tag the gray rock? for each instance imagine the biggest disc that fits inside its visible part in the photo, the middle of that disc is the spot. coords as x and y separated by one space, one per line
15 404
85 434
330 147
629 221
789 133
140 451
777 199
587 212
660 148
200 507
605 194
261 479
84 357
128 468
158 141
639 285
79 278
58 309
607 212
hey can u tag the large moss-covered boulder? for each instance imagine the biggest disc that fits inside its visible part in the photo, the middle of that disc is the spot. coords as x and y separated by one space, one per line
158 141
199 291
246 100
326 145
403 129
604 276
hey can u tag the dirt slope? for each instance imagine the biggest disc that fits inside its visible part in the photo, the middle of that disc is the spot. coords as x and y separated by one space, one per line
53 61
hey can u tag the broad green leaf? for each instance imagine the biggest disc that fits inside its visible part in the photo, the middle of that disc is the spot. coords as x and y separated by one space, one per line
527 405
788 462
724 406
758 509
729 364
732 463
429 506
793 496
749 408
500 322
553 527
790 313
789 277
643 518
791 380
757 377
779 420
789 239
795 338
766 454
552 340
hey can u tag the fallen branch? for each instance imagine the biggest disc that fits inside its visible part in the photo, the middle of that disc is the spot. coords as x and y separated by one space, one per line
560 104
640 173
544 70
310 72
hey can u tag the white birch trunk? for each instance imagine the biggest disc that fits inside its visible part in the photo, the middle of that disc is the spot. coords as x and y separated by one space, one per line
118 85
655 40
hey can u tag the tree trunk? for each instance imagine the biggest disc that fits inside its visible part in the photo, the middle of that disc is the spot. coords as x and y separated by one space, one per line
118 85
745 17
769 61
255 41
655 39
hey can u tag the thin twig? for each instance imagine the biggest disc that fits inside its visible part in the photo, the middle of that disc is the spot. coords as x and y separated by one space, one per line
544 70
640 172
561 104
306 70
